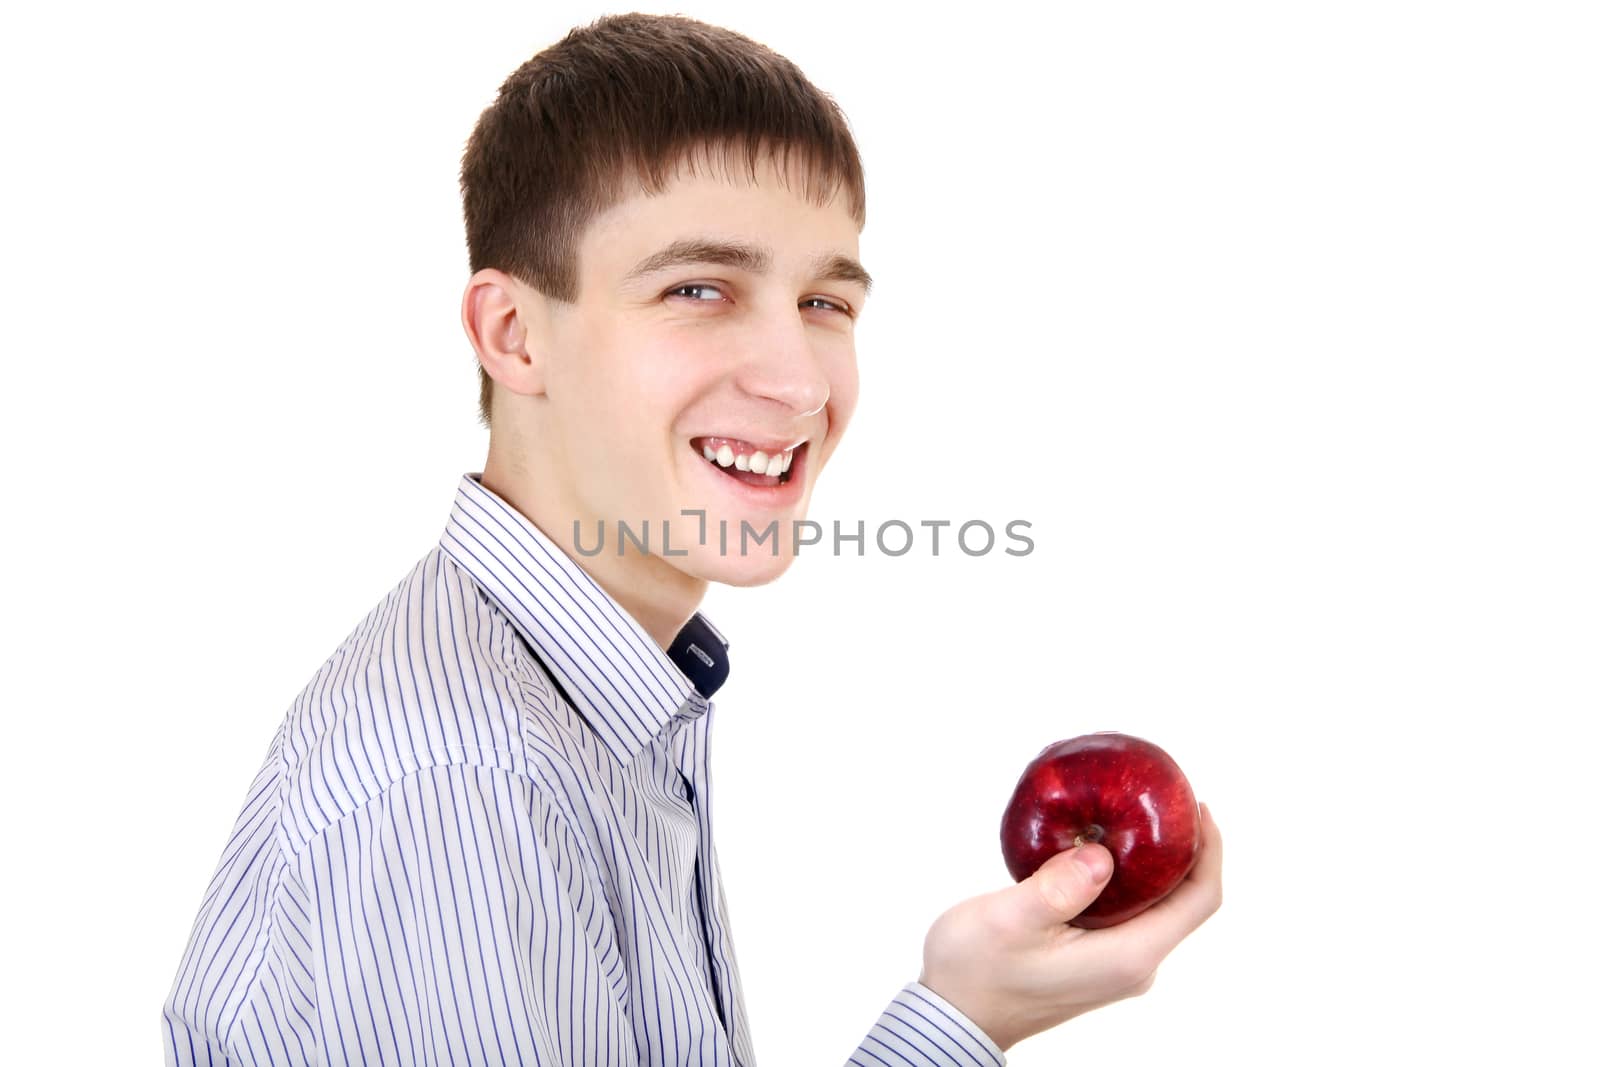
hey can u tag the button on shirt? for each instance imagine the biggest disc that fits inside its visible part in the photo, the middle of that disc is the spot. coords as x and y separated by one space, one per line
482 834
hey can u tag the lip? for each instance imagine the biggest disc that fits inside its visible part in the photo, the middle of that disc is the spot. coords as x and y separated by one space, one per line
778 497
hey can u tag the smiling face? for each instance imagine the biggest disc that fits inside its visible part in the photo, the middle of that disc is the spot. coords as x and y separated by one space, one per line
714 318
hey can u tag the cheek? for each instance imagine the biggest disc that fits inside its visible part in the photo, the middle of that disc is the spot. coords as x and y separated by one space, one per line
667 382
638 398
623 382
844 389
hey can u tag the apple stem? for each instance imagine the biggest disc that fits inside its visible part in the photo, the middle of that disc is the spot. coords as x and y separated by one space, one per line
1093 835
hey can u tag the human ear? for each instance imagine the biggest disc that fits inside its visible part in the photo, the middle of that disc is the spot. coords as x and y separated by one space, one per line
501 317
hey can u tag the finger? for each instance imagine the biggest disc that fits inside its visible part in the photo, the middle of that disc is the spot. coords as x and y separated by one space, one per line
1063 886
1208 865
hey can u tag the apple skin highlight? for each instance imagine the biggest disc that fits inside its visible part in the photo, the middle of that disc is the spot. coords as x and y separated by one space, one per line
1122 791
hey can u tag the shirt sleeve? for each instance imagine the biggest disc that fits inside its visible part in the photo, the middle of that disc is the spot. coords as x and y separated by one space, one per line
921 1028
453 921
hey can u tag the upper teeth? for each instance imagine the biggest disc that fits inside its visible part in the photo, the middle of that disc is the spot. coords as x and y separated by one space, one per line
759 463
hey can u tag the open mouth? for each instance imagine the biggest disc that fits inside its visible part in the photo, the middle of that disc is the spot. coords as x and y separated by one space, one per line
750 463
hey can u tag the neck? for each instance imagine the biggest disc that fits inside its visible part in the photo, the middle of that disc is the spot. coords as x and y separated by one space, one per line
660 597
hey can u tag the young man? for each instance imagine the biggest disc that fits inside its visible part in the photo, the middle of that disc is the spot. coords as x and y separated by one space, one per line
483 832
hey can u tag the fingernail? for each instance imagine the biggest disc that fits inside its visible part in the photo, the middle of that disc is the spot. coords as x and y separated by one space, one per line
1095 859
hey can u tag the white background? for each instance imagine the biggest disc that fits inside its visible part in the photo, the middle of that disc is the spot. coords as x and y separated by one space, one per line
1277 321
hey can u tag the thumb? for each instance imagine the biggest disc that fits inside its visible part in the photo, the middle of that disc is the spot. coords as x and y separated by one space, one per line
1064 885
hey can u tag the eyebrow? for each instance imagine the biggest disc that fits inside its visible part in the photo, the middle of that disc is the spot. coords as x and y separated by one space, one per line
757 259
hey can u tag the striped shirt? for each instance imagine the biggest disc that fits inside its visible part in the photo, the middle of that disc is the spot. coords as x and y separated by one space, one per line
482 834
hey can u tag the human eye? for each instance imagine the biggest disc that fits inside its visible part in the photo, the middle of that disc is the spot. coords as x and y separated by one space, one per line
843 309
694 287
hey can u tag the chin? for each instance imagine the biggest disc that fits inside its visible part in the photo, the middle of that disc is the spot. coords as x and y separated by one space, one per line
758 568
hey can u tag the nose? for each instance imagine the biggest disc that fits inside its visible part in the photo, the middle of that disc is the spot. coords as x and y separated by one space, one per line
783 366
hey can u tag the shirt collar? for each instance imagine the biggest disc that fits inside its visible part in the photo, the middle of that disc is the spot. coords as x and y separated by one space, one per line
626 687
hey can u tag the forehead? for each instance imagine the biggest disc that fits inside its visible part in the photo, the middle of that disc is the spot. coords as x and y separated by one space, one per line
763 222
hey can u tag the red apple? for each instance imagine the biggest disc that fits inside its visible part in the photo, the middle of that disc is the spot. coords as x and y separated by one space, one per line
1121 791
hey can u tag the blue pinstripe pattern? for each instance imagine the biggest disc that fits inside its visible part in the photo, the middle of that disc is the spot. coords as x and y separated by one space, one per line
482 834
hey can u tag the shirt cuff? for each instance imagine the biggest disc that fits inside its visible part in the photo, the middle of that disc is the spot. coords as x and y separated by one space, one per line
925 1029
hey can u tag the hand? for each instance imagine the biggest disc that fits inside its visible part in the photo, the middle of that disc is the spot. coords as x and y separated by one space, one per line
1010 963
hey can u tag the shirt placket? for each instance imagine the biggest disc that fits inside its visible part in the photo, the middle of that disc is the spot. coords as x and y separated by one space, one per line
692 753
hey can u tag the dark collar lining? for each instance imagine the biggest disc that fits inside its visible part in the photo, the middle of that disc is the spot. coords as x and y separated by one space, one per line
701 653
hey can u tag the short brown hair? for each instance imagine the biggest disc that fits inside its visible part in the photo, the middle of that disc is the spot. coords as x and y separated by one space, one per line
631 97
